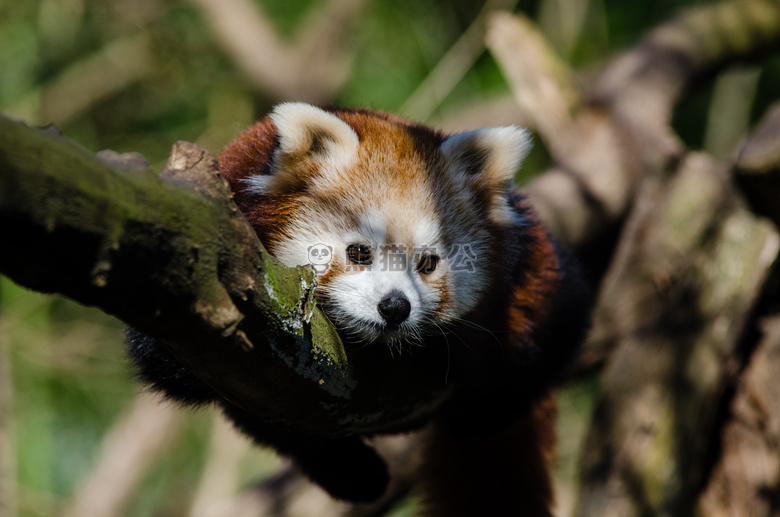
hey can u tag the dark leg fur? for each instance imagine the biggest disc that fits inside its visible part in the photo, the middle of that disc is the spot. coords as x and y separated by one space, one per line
500 472
162 372
346 468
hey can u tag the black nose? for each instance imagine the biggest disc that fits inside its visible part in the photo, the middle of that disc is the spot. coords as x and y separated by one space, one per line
394 307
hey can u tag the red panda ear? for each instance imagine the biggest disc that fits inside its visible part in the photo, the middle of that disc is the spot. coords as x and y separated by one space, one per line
312 143
486 160
304 129
488 156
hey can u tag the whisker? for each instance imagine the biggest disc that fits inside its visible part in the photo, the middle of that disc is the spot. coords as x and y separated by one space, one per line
476 326
449 359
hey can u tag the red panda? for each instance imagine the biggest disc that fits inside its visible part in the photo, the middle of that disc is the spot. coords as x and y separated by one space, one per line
421 246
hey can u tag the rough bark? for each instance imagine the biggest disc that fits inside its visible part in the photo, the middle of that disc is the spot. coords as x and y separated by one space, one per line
746 480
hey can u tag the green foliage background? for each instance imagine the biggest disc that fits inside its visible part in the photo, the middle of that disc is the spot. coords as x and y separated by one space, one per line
63 376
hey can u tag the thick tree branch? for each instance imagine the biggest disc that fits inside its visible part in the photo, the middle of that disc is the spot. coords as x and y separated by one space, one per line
172 256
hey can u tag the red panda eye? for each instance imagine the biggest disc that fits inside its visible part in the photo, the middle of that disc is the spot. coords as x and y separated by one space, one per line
359 254
427 264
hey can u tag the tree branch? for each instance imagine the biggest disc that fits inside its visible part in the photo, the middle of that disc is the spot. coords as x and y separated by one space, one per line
172 256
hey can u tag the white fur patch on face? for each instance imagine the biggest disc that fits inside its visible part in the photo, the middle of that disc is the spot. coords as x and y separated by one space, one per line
355 294
295 251
426 233
372 229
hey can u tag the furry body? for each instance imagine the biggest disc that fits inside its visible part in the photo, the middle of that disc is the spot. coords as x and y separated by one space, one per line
422 249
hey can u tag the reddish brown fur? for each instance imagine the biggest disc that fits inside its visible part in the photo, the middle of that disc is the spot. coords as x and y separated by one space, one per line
531 301
250 153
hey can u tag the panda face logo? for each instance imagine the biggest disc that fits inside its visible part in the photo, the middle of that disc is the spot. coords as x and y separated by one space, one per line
320 256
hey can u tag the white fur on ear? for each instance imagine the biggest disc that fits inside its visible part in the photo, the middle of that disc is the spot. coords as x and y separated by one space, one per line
494 153
304 128
314 148
486 160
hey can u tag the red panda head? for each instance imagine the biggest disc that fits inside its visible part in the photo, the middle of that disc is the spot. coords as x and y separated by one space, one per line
399 221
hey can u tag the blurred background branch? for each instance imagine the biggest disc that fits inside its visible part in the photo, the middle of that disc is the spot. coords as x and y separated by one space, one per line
140 435
453 66
311 66
107 72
